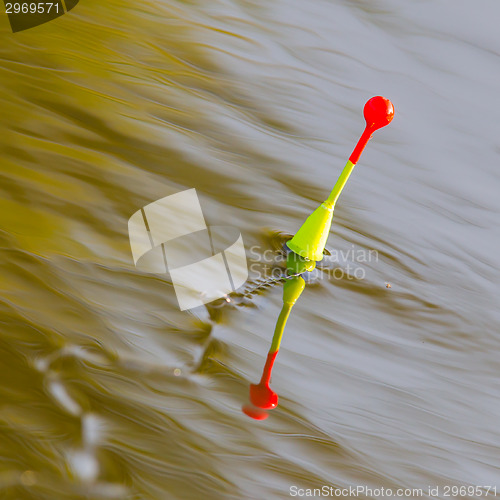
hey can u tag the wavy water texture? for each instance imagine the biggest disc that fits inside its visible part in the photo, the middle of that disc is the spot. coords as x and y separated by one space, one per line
109 391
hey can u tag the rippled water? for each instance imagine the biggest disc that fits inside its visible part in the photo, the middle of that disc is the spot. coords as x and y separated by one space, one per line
109 391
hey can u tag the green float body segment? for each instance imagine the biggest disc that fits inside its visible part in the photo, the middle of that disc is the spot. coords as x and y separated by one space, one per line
310 240
339 185
295 264
292 289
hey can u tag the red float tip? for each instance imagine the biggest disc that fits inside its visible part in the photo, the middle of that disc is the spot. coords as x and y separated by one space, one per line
378 112
262 396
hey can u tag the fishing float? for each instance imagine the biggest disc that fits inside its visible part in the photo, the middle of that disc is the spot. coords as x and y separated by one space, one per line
310 240
306 248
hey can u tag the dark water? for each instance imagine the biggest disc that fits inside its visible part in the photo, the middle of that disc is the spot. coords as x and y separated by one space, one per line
108 390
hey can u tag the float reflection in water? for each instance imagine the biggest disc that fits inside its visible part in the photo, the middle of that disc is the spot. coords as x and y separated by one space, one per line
262 396
307 247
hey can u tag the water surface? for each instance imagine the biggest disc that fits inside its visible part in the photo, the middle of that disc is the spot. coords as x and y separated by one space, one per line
109 391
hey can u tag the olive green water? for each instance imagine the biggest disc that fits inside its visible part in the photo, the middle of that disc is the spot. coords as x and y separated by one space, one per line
108 390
